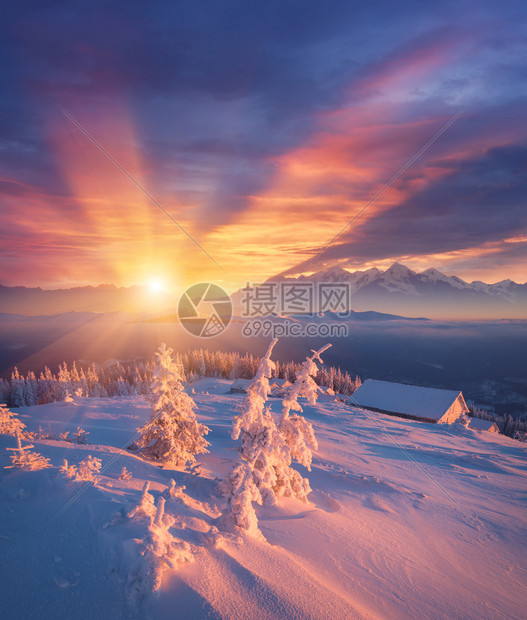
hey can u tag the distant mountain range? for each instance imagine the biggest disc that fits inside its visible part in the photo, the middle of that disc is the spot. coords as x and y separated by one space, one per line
103 298
400 290
397 291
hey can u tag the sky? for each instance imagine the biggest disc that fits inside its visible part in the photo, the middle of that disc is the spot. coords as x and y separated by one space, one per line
263 130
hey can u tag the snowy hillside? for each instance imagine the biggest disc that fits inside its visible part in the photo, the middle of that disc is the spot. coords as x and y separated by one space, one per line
406 520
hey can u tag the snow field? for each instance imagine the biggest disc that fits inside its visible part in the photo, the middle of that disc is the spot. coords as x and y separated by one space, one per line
405 520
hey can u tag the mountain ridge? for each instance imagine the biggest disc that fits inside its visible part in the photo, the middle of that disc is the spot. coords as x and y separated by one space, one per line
401 290
34 301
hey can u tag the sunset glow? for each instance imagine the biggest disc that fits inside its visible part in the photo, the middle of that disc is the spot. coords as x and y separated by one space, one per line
155 285
261 197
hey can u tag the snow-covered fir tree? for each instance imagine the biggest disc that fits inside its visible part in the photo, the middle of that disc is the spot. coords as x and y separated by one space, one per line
145 508
125 474
88 469
30 392
172 436
263 470
9 422
24 458
18 389
297 431
5 390
252 474
69 471
173 490
161 551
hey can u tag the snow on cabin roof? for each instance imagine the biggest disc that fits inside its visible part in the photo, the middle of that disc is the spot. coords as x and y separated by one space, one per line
481 425
412 400
279 382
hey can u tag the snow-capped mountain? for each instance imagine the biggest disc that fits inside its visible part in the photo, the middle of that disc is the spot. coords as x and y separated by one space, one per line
401 290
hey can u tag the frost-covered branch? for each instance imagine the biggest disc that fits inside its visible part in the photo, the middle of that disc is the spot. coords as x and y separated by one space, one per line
24 458
10 424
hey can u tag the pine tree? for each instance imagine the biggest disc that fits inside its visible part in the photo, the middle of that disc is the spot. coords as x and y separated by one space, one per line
88 469
45 387
69 471
18 389
5 390
263 470
251 472
23 458
172 435
125 474
31 389
9 422
297 431
64 385
145 508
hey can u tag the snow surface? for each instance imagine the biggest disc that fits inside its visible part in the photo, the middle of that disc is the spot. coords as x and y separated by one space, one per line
406 520
414 400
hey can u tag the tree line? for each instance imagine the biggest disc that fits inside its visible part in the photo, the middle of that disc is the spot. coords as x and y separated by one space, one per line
512 427
128 379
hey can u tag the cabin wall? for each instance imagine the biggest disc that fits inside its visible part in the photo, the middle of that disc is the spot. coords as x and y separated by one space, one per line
454 413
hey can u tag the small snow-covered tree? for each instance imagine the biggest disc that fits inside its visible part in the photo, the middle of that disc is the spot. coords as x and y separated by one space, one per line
173 490
241 491
45 387
88 469
161 551
125 474
23 458
255 425
80 436
69 471
296 430
64 385
145 508
9 422
5 390
172 435
263 471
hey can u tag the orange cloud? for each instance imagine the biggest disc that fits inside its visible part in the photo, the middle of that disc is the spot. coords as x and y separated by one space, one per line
319 188
111 229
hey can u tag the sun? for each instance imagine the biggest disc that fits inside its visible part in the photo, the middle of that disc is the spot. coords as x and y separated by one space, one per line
155 285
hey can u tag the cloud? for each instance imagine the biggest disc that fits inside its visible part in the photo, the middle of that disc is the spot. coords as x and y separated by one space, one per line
461 218
483 199
264 127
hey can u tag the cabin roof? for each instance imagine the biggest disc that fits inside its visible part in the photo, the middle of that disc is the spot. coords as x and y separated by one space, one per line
410 400
481 425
